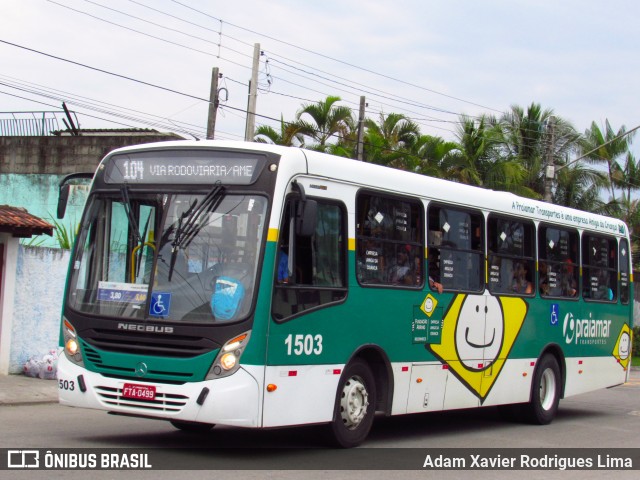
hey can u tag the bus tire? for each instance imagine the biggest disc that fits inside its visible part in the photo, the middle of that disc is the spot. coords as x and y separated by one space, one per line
355 405
192 427
545 392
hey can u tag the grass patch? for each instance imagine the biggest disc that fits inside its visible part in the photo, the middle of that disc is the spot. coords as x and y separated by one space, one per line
635 361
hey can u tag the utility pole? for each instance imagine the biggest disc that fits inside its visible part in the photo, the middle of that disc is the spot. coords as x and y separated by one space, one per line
253 95
214 101
360 148
549 170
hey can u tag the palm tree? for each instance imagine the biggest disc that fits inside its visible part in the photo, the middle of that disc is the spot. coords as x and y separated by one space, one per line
327 120
578 187
478 158
526 139
291 134
390 140
605 148
431 156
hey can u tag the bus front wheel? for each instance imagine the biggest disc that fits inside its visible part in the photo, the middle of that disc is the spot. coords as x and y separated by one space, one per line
355 405
545 392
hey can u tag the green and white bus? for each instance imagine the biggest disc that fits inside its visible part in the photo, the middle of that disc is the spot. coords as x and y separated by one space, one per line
259 286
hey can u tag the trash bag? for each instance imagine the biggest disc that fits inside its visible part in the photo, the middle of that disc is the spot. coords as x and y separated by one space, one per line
32 367
42 366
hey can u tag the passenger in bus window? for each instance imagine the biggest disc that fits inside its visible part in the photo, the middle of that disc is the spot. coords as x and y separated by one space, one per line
400 272
417 270
543 280
569 283
521 280
603 291
283 265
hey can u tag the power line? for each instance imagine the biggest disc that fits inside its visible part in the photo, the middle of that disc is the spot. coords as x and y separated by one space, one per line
125 77
140 32
388 77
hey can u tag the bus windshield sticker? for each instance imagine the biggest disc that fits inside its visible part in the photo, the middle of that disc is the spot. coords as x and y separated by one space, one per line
160 304
122 292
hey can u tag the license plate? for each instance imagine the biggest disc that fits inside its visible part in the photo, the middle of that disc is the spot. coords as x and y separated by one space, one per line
139 392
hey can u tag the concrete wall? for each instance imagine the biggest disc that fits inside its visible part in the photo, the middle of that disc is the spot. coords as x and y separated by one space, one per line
64 155
39 195
39 286
31 169
8 267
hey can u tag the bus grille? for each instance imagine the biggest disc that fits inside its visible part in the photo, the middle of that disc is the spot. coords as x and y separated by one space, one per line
148 344
164 402
172 375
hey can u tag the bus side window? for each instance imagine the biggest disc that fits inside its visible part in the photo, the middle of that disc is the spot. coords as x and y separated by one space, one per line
624 260
389 240
456 237
510 248
310 271
558 262
599 267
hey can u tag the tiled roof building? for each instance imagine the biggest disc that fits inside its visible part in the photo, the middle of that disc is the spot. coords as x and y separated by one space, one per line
20 223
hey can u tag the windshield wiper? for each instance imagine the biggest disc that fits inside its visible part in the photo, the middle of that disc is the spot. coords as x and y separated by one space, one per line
190 222
133 225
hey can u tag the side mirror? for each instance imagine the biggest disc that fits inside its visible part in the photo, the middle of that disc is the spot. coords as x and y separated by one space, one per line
306 218
63 197
63 190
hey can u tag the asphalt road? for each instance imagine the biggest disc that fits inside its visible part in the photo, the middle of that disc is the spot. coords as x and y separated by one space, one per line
606 419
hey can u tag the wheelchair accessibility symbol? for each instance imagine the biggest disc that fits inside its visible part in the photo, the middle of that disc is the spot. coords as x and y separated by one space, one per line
160 304
555 313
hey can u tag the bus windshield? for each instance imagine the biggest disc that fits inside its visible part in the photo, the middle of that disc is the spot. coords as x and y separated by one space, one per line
180 257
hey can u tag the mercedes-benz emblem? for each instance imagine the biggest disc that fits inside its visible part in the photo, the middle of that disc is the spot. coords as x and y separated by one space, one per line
141 369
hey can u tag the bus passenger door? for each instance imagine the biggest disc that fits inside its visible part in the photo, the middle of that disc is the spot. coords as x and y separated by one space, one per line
310 280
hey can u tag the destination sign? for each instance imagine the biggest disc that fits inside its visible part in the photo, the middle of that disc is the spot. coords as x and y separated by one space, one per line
184 167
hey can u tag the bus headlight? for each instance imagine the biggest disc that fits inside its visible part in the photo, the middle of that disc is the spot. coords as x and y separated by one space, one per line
71 344
72 347
228 360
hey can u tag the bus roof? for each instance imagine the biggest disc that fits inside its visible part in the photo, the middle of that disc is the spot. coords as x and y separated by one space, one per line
401 182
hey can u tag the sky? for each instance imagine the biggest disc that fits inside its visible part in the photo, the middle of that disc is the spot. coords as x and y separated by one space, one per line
148 63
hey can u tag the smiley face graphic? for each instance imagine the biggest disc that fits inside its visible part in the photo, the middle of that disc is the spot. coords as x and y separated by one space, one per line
622 348
478 332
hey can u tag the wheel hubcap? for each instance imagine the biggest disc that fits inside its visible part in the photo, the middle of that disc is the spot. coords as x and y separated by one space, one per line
547 389
354 402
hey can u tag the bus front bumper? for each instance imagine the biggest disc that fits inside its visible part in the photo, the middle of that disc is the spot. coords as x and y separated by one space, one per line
233 400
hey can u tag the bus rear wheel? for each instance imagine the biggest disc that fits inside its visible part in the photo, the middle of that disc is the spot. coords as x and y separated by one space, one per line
355 405
545 392
192 427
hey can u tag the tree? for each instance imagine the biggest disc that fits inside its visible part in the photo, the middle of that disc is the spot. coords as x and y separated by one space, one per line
578 187
291 134
430 156
478 158
390 140
606 148
327 120
525 138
